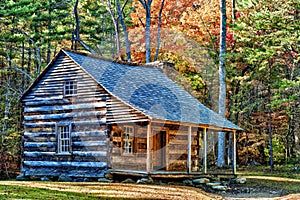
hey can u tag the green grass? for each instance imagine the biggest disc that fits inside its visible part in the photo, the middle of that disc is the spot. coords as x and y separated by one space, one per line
288 187
23 192
284 171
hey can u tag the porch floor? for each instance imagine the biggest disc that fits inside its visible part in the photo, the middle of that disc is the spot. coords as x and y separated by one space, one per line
171 174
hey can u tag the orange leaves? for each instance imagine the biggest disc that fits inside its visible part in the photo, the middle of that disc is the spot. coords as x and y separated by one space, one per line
198 19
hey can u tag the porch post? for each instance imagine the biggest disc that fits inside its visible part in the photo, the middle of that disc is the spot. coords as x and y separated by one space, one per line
205 151
189 158
148 164
234 152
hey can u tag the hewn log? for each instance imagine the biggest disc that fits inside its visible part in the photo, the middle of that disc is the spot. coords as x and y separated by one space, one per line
65 107
65 164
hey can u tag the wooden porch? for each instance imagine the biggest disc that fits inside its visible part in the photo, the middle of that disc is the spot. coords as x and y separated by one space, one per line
171 175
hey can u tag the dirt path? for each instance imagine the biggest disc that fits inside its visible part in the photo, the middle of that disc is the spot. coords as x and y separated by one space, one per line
146 191
122 190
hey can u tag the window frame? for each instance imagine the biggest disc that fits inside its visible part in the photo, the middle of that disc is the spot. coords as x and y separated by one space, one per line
128 140
70 88
68 139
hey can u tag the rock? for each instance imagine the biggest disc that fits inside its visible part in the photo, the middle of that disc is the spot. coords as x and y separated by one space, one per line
150 180
295 169
64 178
105 180
201 181
145 181
109 176
45 179
188 182
255 164
21 177
241 180
213 184
219 187
238 181
128 180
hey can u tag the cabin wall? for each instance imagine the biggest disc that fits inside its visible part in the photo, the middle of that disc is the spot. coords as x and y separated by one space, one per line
176 147
45 107
134 159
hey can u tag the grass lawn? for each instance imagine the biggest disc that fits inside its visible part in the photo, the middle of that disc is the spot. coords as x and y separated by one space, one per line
23 192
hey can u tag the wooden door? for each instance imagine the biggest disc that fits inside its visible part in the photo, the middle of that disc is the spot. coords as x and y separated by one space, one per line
159 150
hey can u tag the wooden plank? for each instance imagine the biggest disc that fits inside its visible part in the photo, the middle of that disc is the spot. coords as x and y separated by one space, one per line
38 134
189 160
49 124
176 141
205 151
73 172
90 143
39 124
73 114
89 134
148 159
90 154
177 151
128 160
92 122
126 121
65 164
65 107
38 153
234 152
39 144
45 102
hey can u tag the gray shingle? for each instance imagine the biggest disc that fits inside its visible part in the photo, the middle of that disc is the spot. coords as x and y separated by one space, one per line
150 91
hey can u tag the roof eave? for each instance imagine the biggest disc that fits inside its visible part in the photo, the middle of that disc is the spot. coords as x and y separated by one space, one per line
207 126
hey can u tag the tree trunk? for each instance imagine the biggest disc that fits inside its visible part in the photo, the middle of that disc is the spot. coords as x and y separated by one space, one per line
159 30
147 7
127 43
269 119
222 84
116 25
76 35
147 32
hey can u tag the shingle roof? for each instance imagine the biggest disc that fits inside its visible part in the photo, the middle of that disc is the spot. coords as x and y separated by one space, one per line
148 90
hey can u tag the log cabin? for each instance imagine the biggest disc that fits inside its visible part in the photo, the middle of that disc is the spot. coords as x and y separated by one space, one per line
85 116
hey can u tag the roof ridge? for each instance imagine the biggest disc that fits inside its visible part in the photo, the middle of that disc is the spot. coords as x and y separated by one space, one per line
104 58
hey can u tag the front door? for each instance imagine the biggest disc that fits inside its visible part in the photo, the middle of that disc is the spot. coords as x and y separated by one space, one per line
159 150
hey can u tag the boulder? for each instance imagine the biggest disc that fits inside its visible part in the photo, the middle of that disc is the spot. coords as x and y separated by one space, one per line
213 184
201 181
145 181
238 181
109 176
220 187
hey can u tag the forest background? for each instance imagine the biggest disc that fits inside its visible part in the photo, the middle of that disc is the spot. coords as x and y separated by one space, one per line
262 59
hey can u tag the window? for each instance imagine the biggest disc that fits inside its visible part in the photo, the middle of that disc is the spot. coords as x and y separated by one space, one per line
70 88
128 139
64 139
